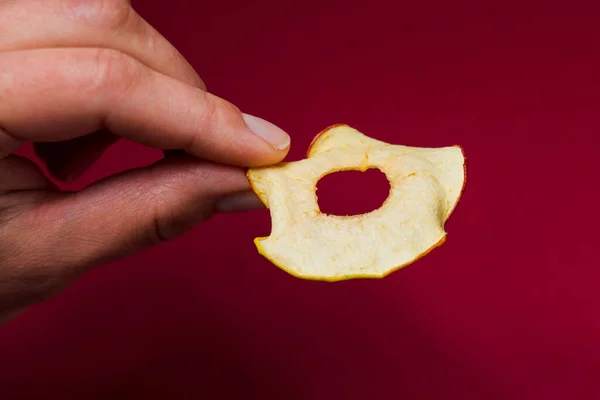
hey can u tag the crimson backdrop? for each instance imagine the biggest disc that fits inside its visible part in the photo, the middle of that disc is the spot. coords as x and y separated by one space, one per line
507 309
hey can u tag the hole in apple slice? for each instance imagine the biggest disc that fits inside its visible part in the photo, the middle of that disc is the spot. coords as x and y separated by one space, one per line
347 193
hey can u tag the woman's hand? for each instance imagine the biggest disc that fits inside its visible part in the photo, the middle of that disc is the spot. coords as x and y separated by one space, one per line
75 76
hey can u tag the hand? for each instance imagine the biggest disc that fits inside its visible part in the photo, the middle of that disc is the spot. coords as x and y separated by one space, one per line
75 76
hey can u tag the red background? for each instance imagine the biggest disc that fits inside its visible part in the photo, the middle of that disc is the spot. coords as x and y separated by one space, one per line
508 308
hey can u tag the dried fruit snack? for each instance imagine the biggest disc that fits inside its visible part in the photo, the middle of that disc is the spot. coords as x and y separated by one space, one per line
425 187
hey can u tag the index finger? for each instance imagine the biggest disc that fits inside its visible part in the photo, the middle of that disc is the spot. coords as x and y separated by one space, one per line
59 94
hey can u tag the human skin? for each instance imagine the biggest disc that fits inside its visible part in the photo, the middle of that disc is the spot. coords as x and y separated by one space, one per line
84 75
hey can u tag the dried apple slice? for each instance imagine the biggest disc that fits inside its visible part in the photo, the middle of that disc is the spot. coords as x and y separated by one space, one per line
425 186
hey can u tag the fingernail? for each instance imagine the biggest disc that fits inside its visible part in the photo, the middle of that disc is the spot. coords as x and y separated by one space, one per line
242 201
272 134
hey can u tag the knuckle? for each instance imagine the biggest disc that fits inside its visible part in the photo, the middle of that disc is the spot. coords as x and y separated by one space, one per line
103 14
177 208
114 72
168 226
214 117
220 114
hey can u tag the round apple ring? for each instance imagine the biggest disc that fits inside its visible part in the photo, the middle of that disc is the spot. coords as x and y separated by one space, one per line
425 187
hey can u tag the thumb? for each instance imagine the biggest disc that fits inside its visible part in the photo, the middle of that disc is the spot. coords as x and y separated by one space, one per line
71 233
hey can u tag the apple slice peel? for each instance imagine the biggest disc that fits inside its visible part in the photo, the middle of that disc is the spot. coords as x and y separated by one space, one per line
426 184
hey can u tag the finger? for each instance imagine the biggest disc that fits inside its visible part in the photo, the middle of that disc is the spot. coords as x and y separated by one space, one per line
112 24
53 95
65 235
20 174
68 160
8 143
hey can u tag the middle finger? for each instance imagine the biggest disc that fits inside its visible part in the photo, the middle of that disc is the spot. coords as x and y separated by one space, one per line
113 24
